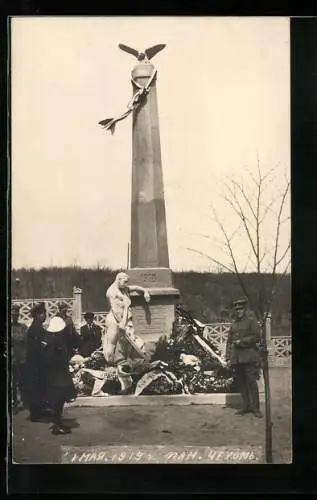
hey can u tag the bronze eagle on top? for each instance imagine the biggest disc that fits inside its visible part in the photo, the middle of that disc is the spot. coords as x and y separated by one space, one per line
110 123
143 56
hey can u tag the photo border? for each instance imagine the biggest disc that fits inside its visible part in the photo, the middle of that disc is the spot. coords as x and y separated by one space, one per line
300 476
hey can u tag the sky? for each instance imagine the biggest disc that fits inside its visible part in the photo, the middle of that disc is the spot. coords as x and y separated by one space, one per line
223 92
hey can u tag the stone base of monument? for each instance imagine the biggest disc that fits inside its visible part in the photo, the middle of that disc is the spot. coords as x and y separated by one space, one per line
231 400
151 277
225 399
154 320
151 322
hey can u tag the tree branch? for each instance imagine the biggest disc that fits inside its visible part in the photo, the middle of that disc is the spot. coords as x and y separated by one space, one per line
267 208
264 255
269 172
277 236
258 199
246 198
247 262
230 269
286 267
285 220
284 254
240 213
236 270
279 225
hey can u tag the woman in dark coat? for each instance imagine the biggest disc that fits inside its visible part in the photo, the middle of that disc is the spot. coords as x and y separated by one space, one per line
60 386
35 365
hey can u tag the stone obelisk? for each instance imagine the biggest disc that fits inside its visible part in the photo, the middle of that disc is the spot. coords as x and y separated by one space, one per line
148 224
149 249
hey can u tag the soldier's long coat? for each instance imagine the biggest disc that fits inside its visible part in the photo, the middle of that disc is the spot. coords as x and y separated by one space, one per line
248 332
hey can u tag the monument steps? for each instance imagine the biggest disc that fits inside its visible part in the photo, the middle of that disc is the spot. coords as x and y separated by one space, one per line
230 400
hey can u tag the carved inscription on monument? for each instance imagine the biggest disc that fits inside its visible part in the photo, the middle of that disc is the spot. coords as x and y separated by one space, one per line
155 321
151 277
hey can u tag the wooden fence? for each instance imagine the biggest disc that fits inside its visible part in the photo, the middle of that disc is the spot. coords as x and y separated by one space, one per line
280 348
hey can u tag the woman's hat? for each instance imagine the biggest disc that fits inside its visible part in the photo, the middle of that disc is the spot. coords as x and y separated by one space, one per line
56 324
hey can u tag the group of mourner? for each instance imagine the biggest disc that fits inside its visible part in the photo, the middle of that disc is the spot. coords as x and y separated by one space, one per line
41 355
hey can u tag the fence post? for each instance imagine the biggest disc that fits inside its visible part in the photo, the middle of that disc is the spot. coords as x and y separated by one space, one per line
268 331
77 308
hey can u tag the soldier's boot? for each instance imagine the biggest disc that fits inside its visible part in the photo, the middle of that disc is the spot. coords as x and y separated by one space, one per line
242 383
243 411
257 413
254 397
60 429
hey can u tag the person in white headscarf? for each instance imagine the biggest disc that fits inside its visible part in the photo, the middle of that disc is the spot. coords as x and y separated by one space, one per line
119 319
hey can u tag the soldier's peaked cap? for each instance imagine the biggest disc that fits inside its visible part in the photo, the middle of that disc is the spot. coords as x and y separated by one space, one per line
241 301
38 309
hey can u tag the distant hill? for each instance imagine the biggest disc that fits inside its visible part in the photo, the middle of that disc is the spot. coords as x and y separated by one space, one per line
207 295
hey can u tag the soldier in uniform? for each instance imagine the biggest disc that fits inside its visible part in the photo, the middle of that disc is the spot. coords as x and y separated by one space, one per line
18 336
243 355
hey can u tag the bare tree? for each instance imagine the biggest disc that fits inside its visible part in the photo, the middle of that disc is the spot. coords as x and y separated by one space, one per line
252 205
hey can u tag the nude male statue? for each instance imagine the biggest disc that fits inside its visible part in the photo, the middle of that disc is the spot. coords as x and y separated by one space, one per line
119 319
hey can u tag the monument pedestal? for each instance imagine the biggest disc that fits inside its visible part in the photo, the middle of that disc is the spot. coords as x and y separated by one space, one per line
155 319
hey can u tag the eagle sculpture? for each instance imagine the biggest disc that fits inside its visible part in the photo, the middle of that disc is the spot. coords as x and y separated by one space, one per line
110 123
143 56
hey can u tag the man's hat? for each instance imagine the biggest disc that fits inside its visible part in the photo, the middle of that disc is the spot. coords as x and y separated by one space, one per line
241 301
15 308
89 315
38 309
62 305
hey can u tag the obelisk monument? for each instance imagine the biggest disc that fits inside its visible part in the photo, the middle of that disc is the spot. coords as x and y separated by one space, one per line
149 247
149 259
148 220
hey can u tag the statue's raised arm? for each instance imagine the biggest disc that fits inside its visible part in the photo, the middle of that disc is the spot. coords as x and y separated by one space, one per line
140 289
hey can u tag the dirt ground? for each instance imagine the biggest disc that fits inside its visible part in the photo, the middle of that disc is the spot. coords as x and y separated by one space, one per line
206 425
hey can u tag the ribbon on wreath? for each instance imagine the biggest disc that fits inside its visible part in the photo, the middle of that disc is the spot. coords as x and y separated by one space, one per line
134 103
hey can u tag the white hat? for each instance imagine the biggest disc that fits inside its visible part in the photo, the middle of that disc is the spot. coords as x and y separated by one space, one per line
56 324
77 359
